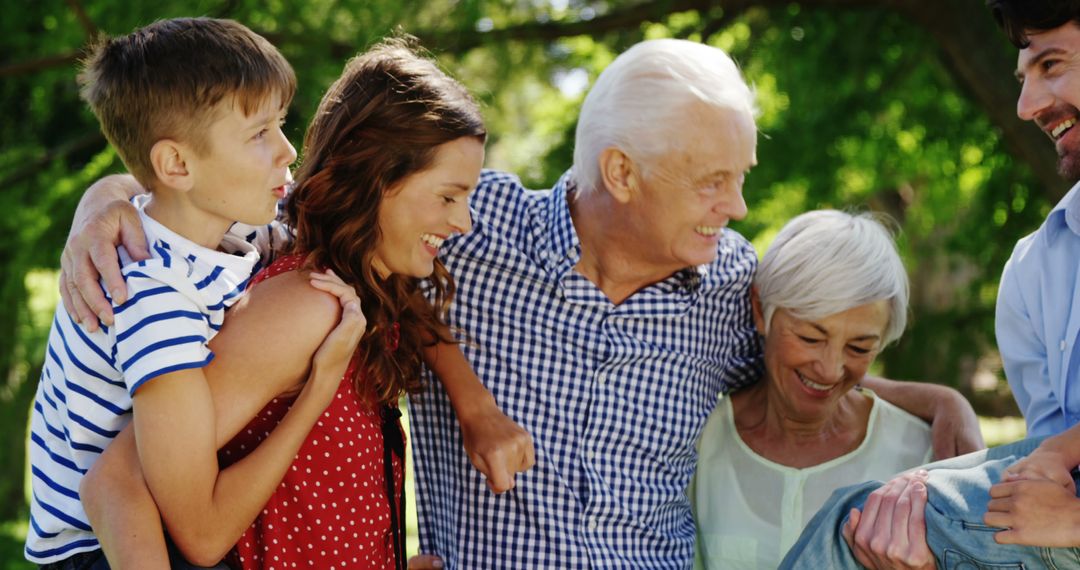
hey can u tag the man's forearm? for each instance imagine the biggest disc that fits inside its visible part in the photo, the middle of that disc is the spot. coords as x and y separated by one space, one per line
467 393
954 424
919 400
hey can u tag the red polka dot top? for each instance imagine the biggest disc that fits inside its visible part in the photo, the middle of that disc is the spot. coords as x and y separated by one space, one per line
331 509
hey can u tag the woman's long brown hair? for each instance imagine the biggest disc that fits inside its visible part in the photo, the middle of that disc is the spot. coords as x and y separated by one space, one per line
379 123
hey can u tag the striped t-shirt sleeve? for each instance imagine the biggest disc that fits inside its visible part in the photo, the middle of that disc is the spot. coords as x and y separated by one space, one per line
160 329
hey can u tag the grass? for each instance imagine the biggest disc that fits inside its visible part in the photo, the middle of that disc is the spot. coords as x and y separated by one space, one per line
998 431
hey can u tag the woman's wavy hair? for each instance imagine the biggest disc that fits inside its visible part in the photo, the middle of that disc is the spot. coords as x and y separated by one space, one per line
378 124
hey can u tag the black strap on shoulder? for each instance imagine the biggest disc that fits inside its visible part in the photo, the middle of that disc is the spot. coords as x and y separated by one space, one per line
394 444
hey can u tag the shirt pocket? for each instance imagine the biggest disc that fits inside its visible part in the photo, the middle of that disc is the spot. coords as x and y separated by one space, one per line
956 560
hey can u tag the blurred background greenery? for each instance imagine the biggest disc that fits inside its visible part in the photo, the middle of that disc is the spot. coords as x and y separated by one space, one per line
903 107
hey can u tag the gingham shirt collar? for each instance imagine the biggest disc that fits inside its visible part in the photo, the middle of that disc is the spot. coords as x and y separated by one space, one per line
560 251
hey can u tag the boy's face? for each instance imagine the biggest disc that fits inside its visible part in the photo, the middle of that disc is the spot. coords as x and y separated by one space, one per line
242 173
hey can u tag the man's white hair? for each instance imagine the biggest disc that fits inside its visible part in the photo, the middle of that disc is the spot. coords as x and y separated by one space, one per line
640 96
826 262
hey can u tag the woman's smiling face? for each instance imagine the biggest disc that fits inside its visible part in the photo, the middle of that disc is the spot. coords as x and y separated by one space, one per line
426 208
812 364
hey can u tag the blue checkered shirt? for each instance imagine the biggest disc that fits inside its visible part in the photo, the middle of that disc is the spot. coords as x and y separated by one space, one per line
614 396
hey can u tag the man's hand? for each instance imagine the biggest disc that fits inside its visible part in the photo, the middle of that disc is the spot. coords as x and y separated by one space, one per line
1034 513
1043 464
104 219
497 446
425 562
890 532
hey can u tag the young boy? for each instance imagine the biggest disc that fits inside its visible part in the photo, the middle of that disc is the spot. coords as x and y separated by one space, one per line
194 108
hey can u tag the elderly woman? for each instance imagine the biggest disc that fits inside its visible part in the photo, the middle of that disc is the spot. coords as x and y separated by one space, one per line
829 294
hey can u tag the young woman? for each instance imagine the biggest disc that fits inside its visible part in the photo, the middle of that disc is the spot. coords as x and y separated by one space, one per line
389 160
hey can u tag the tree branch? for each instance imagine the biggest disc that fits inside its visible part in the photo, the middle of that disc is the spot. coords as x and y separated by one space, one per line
89 140
40 64
84 20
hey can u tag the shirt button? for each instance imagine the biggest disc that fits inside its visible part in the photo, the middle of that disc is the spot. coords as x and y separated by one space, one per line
590 454
1063 346
601 377
592 523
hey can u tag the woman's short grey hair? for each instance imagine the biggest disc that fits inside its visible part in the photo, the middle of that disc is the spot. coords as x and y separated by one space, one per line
638 98
826 262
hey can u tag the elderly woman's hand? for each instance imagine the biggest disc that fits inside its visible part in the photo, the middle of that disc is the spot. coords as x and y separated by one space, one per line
890 532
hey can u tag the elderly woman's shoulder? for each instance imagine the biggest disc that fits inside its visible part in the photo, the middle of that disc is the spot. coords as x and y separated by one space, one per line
893 428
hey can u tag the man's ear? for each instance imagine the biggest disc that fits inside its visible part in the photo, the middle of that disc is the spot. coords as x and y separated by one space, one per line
618 174
758 310
169 159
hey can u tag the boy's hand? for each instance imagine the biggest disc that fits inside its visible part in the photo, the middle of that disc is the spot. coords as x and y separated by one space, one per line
1034 513
331 360
497 446
1042 464
104 219
890 532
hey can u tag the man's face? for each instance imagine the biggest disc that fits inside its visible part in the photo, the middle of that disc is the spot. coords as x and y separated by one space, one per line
691 192
1049 71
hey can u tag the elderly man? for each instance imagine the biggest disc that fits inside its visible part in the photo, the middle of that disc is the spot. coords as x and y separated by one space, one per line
604 315
991 509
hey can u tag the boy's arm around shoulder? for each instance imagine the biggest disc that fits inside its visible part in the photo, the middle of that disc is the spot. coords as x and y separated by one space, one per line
182 418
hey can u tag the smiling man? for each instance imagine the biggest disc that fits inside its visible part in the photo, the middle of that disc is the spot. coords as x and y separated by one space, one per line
1014 506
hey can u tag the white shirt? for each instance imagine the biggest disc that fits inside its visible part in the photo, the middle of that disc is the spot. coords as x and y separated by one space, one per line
750 510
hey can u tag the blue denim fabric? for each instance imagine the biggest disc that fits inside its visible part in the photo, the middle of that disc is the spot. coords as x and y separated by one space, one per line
956 502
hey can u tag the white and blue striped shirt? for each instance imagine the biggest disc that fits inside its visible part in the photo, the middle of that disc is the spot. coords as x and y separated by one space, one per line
614 396
176 303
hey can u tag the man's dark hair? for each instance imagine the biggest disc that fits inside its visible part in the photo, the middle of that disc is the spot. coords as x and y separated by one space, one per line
1017 17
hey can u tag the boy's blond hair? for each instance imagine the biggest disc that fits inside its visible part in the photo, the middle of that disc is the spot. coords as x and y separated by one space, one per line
165 80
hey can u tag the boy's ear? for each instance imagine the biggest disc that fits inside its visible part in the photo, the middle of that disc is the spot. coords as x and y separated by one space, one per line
758 310
169 159
618 173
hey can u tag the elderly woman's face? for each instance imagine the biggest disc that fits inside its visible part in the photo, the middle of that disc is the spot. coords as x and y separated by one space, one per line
812 364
